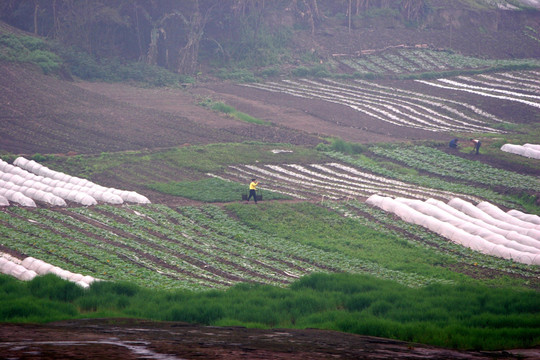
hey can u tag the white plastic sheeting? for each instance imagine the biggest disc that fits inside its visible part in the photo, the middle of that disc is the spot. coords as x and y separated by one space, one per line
18 271
528 150
535 219
110 195
465 224
497 213
532 146
509 234
30 267
33 193
17 197
27 181
38 182
478 213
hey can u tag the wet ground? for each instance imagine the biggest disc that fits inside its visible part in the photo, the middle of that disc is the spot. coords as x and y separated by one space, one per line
139 339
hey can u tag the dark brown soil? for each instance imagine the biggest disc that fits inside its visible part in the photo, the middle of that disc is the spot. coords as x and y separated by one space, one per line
138 339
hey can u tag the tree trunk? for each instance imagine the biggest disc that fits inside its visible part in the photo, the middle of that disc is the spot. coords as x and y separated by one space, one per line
36 10
188 56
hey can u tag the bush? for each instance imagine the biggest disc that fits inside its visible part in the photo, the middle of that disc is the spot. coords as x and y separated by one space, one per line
27 49
345 147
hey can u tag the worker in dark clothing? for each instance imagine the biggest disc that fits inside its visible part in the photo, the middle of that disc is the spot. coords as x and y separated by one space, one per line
253 190
453 143
476 145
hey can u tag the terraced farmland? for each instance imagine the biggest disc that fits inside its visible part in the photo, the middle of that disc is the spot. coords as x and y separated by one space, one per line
393 106
421 60
164 247
519 87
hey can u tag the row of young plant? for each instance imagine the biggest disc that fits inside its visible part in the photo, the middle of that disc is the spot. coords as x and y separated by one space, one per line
421 61
440 163
162 247
394 106
521 87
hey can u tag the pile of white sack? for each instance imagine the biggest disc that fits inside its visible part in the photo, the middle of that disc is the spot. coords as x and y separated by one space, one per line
485 228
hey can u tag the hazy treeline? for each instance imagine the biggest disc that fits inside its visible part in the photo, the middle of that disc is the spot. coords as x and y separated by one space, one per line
174 34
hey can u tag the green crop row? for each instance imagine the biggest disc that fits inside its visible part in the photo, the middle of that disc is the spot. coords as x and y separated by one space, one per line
394 171
426 61
443 164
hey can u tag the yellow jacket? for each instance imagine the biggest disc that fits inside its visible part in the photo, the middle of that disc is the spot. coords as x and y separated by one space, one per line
253 185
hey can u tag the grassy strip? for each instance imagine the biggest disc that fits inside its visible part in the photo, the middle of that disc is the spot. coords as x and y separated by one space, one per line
232 112
463 317
211 190
196 159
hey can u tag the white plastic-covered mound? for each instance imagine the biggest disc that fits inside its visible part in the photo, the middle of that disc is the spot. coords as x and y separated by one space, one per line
31 181
535 219
532 146
79 183
468 225
33 193
528 150
4 201
13 268
30 267
16 197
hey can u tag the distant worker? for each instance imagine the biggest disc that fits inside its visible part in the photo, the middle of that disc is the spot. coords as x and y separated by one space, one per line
476 146
453 143
253 190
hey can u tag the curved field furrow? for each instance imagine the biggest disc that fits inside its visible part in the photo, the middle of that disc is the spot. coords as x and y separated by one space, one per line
204 243
169 247
366 108
382 109
527 79
423 117
214 221
474 83
333 181
468 112
508 82
418 107
400 108
131 248
274 182
38 240
530 100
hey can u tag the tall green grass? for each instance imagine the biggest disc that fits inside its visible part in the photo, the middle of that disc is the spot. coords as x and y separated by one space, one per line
455 316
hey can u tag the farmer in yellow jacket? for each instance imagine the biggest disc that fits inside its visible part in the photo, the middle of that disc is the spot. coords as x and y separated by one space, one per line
253 190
